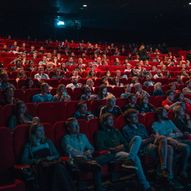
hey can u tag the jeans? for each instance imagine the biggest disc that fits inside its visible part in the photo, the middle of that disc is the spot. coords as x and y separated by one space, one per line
133 155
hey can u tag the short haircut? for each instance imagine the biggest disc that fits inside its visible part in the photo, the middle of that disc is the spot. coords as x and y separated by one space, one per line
130 112
169 92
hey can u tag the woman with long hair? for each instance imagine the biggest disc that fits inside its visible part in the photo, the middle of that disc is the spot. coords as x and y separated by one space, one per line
40 151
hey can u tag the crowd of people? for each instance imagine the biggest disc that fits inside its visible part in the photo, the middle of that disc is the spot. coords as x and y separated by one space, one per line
141 72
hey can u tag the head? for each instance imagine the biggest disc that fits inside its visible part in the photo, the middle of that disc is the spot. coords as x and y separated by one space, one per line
9 92
82 107
20 107
36 133
127 88
103 91
90 83
138 87
106 120
72 126
45 88
87 90
158 86
74 80
170 95
161 113
29 83
132 99
179 96
111 101
131 116
41 69
61 89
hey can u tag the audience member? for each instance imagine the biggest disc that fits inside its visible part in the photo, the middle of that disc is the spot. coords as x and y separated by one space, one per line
62 94
44 95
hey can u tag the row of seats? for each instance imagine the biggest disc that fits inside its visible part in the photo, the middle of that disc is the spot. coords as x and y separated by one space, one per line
58 111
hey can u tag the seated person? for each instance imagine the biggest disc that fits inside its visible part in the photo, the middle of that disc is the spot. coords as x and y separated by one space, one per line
44 96
103 93
168 103
87 94
148 81
185 102
139 92
19 115
8 96
74 84
165 127
41 151
110 107
4 81
132 103
151 146
144 105
41 75
62 94
57 75
127 92
187 89
82 111
181 119
77 146
158 89
109 138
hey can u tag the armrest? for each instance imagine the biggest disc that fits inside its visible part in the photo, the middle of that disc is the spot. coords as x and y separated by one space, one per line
64 158
102 152
21 166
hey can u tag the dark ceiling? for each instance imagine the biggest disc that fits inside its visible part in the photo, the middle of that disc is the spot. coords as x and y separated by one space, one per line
133 16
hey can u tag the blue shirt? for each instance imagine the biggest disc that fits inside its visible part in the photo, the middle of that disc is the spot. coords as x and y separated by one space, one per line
42 98
76 144
164 127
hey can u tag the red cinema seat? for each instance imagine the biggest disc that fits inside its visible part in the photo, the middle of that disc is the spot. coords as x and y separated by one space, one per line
71 108
51 112
1 114
156 100
76 94
84 127
20 138
7 161
19 94
6 111
119 122
93 127
149 119
30 93
32 109
59 131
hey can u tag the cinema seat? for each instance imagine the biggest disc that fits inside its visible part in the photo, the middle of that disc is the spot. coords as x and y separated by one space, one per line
7 161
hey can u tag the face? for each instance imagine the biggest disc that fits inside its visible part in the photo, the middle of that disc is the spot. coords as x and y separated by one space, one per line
112 102
40 132
45 88
10 92
109 122
73 127
104 91
62 89
171 96
133 100
133 118
83 108
22 108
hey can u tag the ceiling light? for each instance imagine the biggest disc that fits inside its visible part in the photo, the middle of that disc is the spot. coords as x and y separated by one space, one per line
85 5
